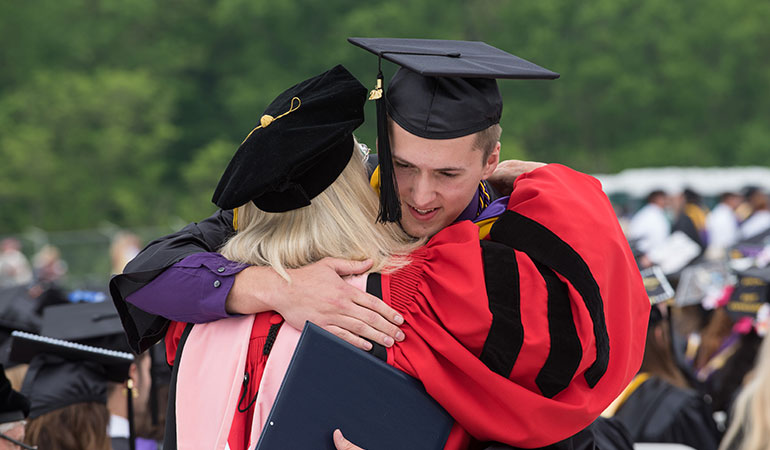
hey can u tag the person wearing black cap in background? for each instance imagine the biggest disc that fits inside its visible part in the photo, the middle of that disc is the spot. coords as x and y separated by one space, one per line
14 409
66 384
659 405
98 325
559 192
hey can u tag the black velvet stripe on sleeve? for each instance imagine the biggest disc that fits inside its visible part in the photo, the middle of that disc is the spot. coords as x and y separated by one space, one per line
374 287
506 334
566 352
169 439
542 245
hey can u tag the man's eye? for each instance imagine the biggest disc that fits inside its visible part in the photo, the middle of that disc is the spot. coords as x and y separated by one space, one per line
401 165
448 174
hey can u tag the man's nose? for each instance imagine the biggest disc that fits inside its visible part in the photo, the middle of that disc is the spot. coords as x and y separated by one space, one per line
423 192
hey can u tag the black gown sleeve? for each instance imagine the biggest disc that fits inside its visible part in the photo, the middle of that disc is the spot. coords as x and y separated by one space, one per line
144 329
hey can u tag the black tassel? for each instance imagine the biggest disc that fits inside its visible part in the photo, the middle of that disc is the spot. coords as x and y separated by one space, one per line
130 407
390 204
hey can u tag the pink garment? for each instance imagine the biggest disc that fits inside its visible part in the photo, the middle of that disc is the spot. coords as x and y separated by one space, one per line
211 374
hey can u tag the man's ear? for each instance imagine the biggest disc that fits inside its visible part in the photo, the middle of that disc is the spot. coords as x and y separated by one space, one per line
491 163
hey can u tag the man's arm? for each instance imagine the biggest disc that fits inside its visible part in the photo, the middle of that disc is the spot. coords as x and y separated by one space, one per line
178 277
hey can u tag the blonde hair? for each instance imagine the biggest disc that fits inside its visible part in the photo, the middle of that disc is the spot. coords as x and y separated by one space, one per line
750 424
340 222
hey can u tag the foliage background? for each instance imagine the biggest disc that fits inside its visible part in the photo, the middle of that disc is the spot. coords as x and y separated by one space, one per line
121 114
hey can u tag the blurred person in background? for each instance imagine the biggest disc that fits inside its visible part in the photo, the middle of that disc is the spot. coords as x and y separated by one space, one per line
759 220
750 416
691 217
14 267
722 224
124 247
14 409
48 264
67 390
726 352
49 268
650 226
97 324
119 428
659 405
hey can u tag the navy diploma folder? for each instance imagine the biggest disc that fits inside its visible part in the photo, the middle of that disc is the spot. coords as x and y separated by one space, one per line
331 384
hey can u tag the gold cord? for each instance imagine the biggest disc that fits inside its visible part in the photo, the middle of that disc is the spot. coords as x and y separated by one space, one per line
267 119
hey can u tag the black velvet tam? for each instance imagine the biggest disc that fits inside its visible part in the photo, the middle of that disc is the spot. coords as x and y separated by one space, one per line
300 145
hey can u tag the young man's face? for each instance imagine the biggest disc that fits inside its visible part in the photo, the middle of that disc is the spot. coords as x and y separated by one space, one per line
437 178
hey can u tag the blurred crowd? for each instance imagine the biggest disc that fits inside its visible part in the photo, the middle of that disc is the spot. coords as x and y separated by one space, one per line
704 381
79 386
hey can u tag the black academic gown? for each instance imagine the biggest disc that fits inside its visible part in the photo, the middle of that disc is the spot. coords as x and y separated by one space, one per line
144 329
657 411
119 443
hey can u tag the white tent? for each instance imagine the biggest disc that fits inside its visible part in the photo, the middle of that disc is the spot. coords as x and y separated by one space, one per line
707 181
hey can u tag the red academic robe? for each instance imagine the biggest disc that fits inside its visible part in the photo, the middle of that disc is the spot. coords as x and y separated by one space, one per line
526 336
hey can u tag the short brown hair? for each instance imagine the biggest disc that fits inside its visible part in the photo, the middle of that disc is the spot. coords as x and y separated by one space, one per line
82 426
487 139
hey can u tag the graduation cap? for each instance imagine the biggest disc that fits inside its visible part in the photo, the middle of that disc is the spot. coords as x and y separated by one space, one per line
751 292
63 373
95 324
444 89
300 145
18 311
656 284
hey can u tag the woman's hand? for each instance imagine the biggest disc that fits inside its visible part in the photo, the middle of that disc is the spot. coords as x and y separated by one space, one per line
340 443
318 293
506 172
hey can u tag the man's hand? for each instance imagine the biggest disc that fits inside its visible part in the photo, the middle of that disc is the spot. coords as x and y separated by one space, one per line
506 172
318 293
340 443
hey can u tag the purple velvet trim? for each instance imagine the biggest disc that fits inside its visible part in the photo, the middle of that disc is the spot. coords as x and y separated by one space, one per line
469 213
494 209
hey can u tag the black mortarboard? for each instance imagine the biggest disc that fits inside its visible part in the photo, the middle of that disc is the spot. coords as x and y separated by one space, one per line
95 324
13 405
301 144
656 284
63 373
18 311
444 89
751 292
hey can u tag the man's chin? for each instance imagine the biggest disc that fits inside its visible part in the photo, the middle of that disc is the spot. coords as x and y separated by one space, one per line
419 231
